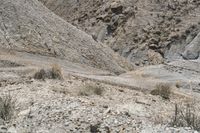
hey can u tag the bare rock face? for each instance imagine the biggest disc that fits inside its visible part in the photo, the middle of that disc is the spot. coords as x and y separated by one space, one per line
192 50
30 27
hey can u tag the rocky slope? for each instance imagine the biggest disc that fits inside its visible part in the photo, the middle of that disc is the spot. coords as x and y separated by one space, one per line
54 106
145 32
96 91
29 26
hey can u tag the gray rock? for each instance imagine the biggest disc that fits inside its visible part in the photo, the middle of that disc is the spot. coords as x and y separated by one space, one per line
1 121
102 33
3 129
116 7
192 50
12 130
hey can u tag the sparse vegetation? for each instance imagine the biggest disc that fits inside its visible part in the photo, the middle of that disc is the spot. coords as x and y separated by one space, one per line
7 107
60 90
178 84
95 128
186 116
40 74
54 73
91 89
163 90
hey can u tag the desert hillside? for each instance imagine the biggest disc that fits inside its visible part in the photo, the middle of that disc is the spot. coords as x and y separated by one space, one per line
30 27
99 66
136 29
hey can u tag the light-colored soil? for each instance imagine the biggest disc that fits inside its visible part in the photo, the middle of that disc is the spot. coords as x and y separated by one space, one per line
56 106
101 91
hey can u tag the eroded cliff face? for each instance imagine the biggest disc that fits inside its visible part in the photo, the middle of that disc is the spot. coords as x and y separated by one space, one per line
145 31
31 27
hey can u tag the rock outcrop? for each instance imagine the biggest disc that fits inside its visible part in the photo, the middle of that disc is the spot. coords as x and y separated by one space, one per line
135 27
192 51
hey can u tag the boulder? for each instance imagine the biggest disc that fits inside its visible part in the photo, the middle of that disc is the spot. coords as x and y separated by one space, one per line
192 50
116 7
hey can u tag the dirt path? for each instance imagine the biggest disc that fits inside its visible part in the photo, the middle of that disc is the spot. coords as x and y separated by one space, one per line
143 79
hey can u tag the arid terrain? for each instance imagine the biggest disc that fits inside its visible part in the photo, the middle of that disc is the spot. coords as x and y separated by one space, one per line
110 66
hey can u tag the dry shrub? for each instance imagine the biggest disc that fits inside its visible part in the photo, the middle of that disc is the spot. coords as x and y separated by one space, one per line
178 84
91 89
53 73
163 90
186 116
56 72
41 74
95 128
7 107
60 90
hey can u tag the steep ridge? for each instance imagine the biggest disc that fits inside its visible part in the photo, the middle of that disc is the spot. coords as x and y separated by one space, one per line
30 27
144 31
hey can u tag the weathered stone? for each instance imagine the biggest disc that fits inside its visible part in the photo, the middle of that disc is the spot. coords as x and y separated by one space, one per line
192 50
155 57
116 7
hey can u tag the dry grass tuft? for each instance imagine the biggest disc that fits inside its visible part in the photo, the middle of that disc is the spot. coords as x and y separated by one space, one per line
178 84
54 73
163 90
186 116
7 107
91 89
